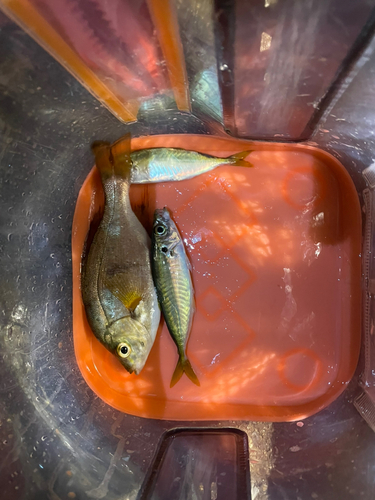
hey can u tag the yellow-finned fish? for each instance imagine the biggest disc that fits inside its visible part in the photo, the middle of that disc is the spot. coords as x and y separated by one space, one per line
171 271
117 287
172 164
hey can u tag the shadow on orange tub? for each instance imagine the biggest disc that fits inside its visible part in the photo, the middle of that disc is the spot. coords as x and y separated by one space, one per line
275 251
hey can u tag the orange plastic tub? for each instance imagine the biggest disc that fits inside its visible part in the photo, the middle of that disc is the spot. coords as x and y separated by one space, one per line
276 269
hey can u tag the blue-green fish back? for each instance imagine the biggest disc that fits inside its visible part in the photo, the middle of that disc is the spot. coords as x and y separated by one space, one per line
173 164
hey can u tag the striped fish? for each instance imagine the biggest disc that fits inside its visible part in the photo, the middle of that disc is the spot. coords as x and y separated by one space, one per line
172 164
171 272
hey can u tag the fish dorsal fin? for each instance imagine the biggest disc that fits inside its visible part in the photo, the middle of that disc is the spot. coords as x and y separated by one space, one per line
120 156
118 286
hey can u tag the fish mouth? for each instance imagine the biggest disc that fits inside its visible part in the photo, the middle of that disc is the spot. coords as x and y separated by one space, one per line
163 214
131 370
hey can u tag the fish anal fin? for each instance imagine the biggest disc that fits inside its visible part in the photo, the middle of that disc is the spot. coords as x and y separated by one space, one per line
239 159
118 286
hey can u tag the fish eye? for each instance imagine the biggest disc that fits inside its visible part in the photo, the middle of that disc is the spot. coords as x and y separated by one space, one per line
160 230
124 350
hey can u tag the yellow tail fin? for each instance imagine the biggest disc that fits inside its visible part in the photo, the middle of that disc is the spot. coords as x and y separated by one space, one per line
239 159
120 155
183 365
103 161
113 160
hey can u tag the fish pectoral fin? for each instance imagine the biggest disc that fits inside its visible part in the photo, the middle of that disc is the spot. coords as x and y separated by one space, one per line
119 287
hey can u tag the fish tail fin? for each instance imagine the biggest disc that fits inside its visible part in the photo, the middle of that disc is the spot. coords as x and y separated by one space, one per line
96 145
103 161
239 159
120 156
183 365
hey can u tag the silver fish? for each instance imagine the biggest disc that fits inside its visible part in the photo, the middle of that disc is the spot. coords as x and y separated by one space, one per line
117 287
171 271
172 164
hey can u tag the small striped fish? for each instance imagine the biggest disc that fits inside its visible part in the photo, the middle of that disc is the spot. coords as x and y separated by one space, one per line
172 164
171 272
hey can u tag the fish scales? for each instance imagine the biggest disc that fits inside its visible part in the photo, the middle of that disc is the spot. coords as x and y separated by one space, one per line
117 286
173 164
172 277
178 299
